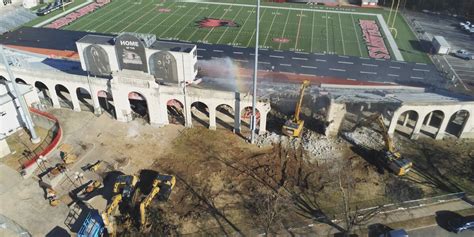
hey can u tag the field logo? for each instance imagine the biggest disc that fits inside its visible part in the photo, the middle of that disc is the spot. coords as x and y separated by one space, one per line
374 40
213 22
281 40
131 53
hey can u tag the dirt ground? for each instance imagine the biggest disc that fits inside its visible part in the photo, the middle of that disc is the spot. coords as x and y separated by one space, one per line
226 185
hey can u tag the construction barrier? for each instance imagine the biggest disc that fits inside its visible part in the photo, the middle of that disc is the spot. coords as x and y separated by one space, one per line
48 144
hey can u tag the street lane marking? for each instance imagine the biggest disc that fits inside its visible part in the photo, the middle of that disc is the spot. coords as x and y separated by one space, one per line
240 60
342 62
369 65
421 64
238 52
421 70
218 50
321 60
393 75
275 56
263 62
312 67
337 69
419 78
373 73
341 56
284 64
201 49
295 58
302 53
394 67
319 54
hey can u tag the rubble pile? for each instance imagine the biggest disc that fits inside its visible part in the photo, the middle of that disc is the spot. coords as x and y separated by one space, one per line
365 137
317 147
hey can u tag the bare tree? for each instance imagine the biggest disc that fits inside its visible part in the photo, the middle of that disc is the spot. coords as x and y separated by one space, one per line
269 209
352 216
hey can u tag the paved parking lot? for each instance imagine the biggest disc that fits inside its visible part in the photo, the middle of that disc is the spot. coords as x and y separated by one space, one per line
448 27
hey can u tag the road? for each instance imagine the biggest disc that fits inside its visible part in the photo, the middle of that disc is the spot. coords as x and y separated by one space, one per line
356 68
436 231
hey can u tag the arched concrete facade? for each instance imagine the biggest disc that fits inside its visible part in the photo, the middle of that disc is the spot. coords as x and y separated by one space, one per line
124 82
425 116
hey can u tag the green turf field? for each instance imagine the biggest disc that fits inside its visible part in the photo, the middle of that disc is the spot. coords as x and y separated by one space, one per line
317 30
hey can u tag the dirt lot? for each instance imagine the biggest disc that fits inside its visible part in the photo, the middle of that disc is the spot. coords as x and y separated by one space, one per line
226 185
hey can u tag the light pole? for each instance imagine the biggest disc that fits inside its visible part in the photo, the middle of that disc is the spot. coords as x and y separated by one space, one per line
25 113
255 72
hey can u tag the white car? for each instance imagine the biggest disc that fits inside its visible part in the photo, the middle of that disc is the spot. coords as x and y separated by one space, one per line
464 54
463 24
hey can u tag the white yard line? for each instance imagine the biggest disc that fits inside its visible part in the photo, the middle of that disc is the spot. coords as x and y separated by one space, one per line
251 37
289 8
191 36
269 30
170 15
227 28
223 15
342 34
95 27
242 27
298 32
284 28
126 18
98 19
153 18
327 33
312 32
357 36
153 8
202 9
171 26
62 14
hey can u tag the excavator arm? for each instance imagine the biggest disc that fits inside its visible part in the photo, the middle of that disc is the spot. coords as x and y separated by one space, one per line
300 101
146 202
108 212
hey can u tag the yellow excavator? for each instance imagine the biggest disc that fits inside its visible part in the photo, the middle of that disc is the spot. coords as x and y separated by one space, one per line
393 159
294 126
126 185
162 186
109 224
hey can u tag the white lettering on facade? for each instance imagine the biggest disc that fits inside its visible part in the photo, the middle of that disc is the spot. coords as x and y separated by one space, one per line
129 43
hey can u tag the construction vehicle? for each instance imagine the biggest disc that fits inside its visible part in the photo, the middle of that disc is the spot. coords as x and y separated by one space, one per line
294 126
107 216
393 159
126 185
162 186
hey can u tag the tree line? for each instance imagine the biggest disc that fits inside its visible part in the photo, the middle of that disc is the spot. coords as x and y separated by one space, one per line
463 8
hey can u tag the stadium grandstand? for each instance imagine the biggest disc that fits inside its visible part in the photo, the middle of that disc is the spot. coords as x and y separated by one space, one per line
14 15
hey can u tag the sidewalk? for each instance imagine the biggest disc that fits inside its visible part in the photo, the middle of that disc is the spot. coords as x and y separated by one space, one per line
407 219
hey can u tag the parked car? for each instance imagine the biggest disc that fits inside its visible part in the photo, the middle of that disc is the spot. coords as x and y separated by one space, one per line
464 54
461 224
463 24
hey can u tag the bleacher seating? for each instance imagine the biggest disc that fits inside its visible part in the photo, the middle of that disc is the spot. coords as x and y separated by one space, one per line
15 17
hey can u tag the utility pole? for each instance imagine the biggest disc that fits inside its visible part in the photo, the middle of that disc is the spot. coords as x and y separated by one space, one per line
24 111
255 72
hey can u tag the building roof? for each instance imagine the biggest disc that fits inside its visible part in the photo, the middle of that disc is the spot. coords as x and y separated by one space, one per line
98 39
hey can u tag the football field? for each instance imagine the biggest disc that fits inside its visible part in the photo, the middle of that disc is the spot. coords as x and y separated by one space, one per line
295 29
